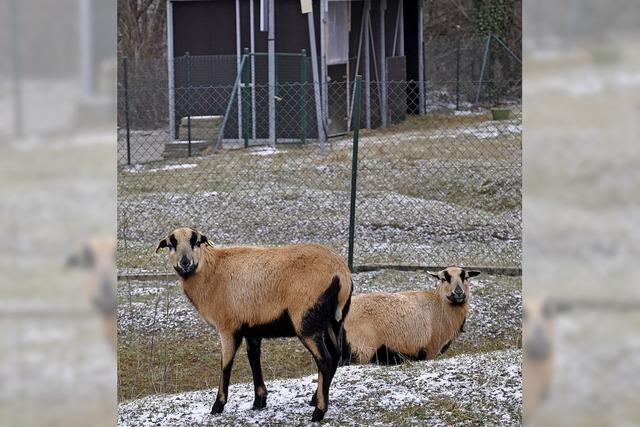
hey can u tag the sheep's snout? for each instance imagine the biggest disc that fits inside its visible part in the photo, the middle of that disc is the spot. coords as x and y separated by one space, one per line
185 262
457 296
185 267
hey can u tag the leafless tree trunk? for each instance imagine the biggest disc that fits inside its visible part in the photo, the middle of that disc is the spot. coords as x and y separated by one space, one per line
141 28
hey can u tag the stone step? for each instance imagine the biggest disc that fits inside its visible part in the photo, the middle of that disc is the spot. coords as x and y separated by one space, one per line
177 150
202 127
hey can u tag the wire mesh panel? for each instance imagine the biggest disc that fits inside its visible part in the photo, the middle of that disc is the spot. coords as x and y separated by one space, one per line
437 189
464 71
440 189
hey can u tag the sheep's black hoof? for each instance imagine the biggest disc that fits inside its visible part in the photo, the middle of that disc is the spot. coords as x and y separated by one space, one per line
217 407
314 400
318 415
260 402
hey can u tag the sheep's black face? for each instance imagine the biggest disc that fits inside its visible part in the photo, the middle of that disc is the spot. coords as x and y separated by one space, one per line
184 250
454 284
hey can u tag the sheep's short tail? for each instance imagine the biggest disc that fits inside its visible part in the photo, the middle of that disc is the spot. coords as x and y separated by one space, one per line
330 309
338 328
345 290
321 315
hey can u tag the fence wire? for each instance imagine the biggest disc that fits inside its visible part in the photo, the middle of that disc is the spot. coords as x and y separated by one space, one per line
438 189
463 72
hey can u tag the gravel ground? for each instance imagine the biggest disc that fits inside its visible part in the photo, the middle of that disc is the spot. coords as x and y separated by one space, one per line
467 390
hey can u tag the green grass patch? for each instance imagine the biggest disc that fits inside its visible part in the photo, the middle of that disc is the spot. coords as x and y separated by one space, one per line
150 364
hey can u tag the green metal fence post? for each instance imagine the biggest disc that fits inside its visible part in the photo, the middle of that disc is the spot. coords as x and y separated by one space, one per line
246 96
354 170
188 57
125 75
303 90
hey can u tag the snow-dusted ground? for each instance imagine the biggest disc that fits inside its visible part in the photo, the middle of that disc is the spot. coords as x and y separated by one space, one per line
472 390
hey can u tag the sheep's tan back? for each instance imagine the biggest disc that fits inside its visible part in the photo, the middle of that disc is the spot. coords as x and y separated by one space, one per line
400 321
263 282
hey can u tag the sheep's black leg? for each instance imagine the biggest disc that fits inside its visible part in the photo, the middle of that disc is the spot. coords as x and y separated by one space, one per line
323 360
253 353
333 347
229 345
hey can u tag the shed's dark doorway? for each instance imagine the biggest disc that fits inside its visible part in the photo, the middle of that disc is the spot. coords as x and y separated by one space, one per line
411 49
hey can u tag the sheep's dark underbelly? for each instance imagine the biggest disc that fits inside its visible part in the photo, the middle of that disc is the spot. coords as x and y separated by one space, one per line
384 356
279 328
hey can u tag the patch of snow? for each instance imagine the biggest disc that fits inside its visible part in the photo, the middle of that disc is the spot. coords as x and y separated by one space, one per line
485 130
133 168
193 141
198 118
146 290
467 113
140 168
487 385
267 151
174 167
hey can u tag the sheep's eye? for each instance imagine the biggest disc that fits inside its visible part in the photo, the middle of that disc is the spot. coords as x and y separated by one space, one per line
442 279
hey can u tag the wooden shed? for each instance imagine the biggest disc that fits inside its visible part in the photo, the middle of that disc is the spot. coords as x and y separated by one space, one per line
378 39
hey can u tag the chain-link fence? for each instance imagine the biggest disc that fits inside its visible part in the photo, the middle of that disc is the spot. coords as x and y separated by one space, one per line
432 190
463 72
438 189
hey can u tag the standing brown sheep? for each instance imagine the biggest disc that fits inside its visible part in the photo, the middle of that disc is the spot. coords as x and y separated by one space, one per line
258 292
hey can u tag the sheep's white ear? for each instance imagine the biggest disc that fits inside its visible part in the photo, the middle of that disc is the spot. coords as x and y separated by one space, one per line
473 273
434 274
163 244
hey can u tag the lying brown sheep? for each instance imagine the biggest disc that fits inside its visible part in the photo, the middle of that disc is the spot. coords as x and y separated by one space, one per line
389 328
258 292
